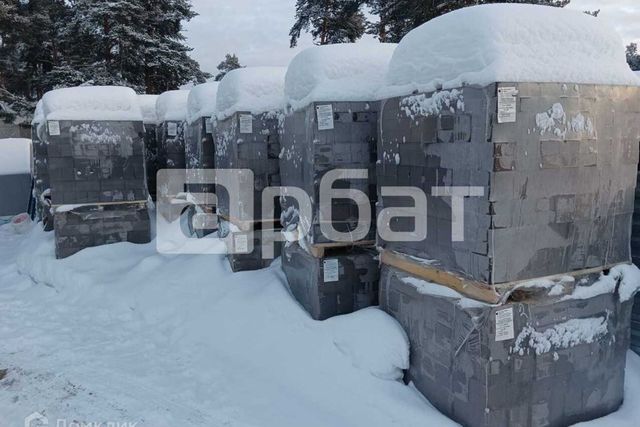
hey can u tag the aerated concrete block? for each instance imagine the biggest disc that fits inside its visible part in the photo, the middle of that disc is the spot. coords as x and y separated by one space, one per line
151 157
558 174
544 363
341 282
324 137
243 257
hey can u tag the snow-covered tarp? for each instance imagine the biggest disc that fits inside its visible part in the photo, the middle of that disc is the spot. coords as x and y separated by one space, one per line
148 108
508 43
171 106
85 103
254 89
15 156
202 101
340 72
38 115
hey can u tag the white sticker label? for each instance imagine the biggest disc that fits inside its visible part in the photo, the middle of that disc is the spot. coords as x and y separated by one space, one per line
507 104
172 129
325 117
241 243
208 126
246 123
54 128
504 324
331 269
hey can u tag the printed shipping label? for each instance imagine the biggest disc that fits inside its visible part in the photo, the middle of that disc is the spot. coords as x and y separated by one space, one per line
241 243
208 126
331 269
172 129
504 324
325 117
246 123
507 104
54 128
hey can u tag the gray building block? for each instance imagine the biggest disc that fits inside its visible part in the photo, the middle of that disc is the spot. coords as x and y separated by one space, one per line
341 282
560 178
308 153
239 252
483 370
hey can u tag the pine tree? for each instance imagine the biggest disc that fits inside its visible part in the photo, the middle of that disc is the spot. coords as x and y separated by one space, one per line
633 57
397 17
329 21
231 62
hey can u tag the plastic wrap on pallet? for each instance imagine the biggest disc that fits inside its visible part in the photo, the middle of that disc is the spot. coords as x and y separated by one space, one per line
530 363
338 283
239 244
95 225
635 255
557 164
249 141
96 161
318 139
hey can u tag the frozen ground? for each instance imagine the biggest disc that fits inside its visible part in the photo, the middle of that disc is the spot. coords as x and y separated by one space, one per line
123 334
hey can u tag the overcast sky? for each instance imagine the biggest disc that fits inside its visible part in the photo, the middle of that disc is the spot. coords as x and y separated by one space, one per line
258 30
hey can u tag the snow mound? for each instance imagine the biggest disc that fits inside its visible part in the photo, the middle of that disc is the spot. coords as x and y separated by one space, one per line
340 72
202 101
15 156
148 108
373 341
105 103
171 106
508 43
38 114
256 90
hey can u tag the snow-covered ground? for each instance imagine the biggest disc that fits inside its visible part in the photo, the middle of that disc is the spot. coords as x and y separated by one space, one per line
122 334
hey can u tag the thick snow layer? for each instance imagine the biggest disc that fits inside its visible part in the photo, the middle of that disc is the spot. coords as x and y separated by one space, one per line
508 43
202 101
148 108
625 277
15 156
38 114
255 90
171 106
105 103
340 72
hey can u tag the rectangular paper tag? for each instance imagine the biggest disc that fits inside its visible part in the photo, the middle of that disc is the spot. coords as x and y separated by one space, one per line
325 117
172 129
246 123
504 324
507 104
54 128
331 269
208 126
241 243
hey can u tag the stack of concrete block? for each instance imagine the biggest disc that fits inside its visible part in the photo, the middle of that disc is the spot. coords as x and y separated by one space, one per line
546 175
171 108
95 150
200 154
340 282
249 108
16 163
635 256
549 361
40 171
150 121
326 130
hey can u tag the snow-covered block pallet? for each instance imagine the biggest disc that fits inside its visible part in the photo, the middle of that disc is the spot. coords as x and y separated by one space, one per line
341 282
150 121
171 108
246 249
249 109
81 227
331 122
546 360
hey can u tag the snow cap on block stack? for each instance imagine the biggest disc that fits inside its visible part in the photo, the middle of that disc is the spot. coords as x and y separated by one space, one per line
202 101
486 44
89 103
254 89
38 115
148 108
340 72
171 106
